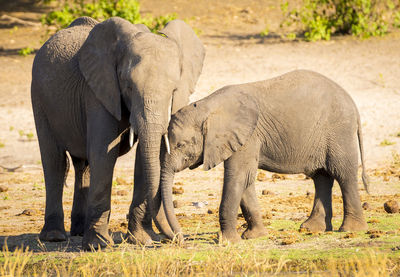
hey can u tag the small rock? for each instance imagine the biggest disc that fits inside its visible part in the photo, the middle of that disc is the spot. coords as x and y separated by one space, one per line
375 236
178 184
177 204
261 176
124 224
290 193
391 206
240 215
122 192
121 181
308 193
373 220
211 194
3 188
201 204
366 206
267 192
209 211
176 190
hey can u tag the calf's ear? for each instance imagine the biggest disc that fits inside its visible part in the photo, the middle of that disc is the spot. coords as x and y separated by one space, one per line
228 127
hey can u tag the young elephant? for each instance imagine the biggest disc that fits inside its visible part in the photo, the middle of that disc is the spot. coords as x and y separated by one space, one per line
300 122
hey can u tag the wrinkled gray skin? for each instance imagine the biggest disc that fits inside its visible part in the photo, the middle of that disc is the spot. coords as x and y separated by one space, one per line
91 83
300 122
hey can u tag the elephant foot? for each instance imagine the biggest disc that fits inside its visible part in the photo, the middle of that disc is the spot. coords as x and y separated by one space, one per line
93 240
316 224
77 227
353 224
142 237
54 235
255 232
231 236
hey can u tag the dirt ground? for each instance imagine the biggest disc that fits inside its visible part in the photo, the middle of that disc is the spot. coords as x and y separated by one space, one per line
235 53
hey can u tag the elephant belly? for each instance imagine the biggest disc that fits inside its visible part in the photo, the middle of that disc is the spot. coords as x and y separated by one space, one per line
290 163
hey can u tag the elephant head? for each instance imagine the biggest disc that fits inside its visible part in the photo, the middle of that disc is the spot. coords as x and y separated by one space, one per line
206 132
127 66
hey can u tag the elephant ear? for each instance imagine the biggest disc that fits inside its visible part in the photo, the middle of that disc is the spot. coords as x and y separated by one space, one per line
98 58
228 127
192 57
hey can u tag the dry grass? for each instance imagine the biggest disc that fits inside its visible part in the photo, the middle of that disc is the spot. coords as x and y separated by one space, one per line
172 260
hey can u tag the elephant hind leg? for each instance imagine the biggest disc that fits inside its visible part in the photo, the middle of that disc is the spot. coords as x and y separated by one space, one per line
321 216
353 219
81 190
55 168
251 212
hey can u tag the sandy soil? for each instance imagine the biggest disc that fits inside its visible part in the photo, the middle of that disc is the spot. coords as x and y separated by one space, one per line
368 70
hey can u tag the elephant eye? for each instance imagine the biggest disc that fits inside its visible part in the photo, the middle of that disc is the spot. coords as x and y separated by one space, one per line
180 145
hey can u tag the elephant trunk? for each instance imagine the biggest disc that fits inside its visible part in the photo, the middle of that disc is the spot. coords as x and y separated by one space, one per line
167 179
151 143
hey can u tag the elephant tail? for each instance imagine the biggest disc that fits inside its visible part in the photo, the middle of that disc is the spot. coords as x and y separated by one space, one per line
364 175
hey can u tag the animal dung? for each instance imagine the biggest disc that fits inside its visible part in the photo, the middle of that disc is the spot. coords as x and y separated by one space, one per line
28 212
3 188
121 182
288 240
176 190
267 215
374 233
262 177
122 192
349 235
177 204
366 206
267 192
277 176
391 206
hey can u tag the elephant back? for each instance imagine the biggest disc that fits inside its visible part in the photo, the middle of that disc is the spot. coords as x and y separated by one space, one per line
56 59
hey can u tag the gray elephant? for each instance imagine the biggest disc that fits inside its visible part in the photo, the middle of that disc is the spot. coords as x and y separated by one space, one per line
300 122
96 89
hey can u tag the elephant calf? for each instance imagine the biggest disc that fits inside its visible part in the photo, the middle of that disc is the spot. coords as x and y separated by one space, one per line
300 122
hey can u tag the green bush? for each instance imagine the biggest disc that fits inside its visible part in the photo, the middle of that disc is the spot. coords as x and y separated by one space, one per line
103 9
319 19
26 51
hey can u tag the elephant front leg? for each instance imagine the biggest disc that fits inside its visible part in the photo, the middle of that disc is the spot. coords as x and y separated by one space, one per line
251 212
140 230
239 176
320 219
102 132
96 232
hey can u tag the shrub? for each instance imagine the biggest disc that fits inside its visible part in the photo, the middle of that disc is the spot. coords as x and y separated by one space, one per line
319 19
102 10
26 51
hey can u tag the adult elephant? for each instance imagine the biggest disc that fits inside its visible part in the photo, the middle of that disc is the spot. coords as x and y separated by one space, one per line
92 83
